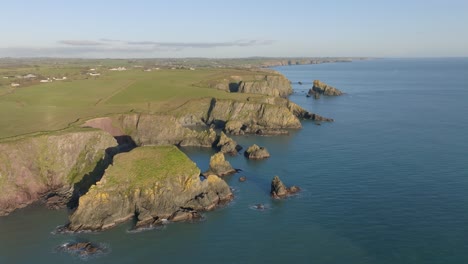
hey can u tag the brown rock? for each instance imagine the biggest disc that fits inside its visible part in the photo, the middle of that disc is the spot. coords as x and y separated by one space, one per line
242 179
256 152
219 166
323 88
279 190
227 145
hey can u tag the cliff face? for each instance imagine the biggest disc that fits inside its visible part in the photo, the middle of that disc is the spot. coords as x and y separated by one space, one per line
147 129
48 166
268 83
256 115
150 184
272 85
239 117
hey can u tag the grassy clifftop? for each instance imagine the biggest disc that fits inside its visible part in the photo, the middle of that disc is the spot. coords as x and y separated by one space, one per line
56 105
146 165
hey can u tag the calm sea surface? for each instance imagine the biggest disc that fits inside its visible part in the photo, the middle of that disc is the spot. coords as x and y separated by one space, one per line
387 182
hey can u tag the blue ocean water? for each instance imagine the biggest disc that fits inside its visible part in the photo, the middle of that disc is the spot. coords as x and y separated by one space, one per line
385 183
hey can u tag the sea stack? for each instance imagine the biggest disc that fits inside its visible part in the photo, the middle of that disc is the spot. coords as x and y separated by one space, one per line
256 152
323 88
219 166
279 190
227 145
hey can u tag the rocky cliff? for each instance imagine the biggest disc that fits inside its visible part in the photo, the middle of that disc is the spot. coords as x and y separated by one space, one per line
262 115
50 166
148 129
272 85
149 184
262 82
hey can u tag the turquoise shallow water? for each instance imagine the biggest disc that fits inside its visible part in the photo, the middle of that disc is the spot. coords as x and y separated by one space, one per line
385 183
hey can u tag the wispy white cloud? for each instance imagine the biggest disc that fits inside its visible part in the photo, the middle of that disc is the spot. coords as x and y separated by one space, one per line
115 48
237 43
80 42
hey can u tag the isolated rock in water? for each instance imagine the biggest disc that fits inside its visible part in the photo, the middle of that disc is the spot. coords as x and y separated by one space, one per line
219 166
256 152
323 88
227 145
82 249
279 190
242 179
150 185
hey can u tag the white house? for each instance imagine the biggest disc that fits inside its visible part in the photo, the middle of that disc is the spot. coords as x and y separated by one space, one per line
192 69
46 80
94 74
14 84
5 77
60 79
118 69
29 76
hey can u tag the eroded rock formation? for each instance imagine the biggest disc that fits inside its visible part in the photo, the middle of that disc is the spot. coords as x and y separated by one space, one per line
219 166
149 184
227 145
256 152
279 190
323 88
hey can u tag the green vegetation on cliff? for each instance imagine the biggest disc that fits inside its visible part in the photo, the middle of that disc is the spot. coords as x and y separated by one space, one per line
146 165
52 106
32 167
149 184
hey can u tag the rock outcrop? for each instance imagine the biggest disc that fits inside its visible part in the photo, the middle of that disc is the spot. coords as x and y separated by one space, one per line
51 166
227 145
151 185
219 166
244 117
82 249
159 130
323 88
256 115
279 190
257 82
272 85
256 152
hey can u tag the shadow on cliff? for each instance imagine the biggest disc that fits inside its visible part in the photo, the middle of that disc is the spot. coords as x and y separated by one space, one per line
233 87
125 144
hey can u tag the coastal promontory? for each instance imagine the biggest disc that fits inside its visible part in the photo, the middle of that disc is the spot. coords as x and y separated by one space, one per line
51 167
150 185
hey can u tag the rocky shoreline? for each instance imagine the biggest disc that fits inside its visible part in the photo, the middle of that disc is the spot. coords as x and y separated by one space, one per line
127 166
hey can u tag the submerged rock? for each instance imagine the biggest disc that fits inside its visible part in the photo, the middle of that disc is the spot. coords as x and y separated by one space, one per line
279 190
82 249
323 88
148 184
219 166
227 145
256 152
260 206
242 179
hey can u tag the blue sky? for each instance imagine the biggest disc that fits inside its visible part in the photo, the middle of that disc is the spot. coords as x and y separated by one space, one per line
234 28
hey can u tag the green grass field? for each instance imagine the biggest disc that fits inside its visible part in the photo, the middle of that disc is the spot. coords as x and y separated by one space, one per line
37 107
